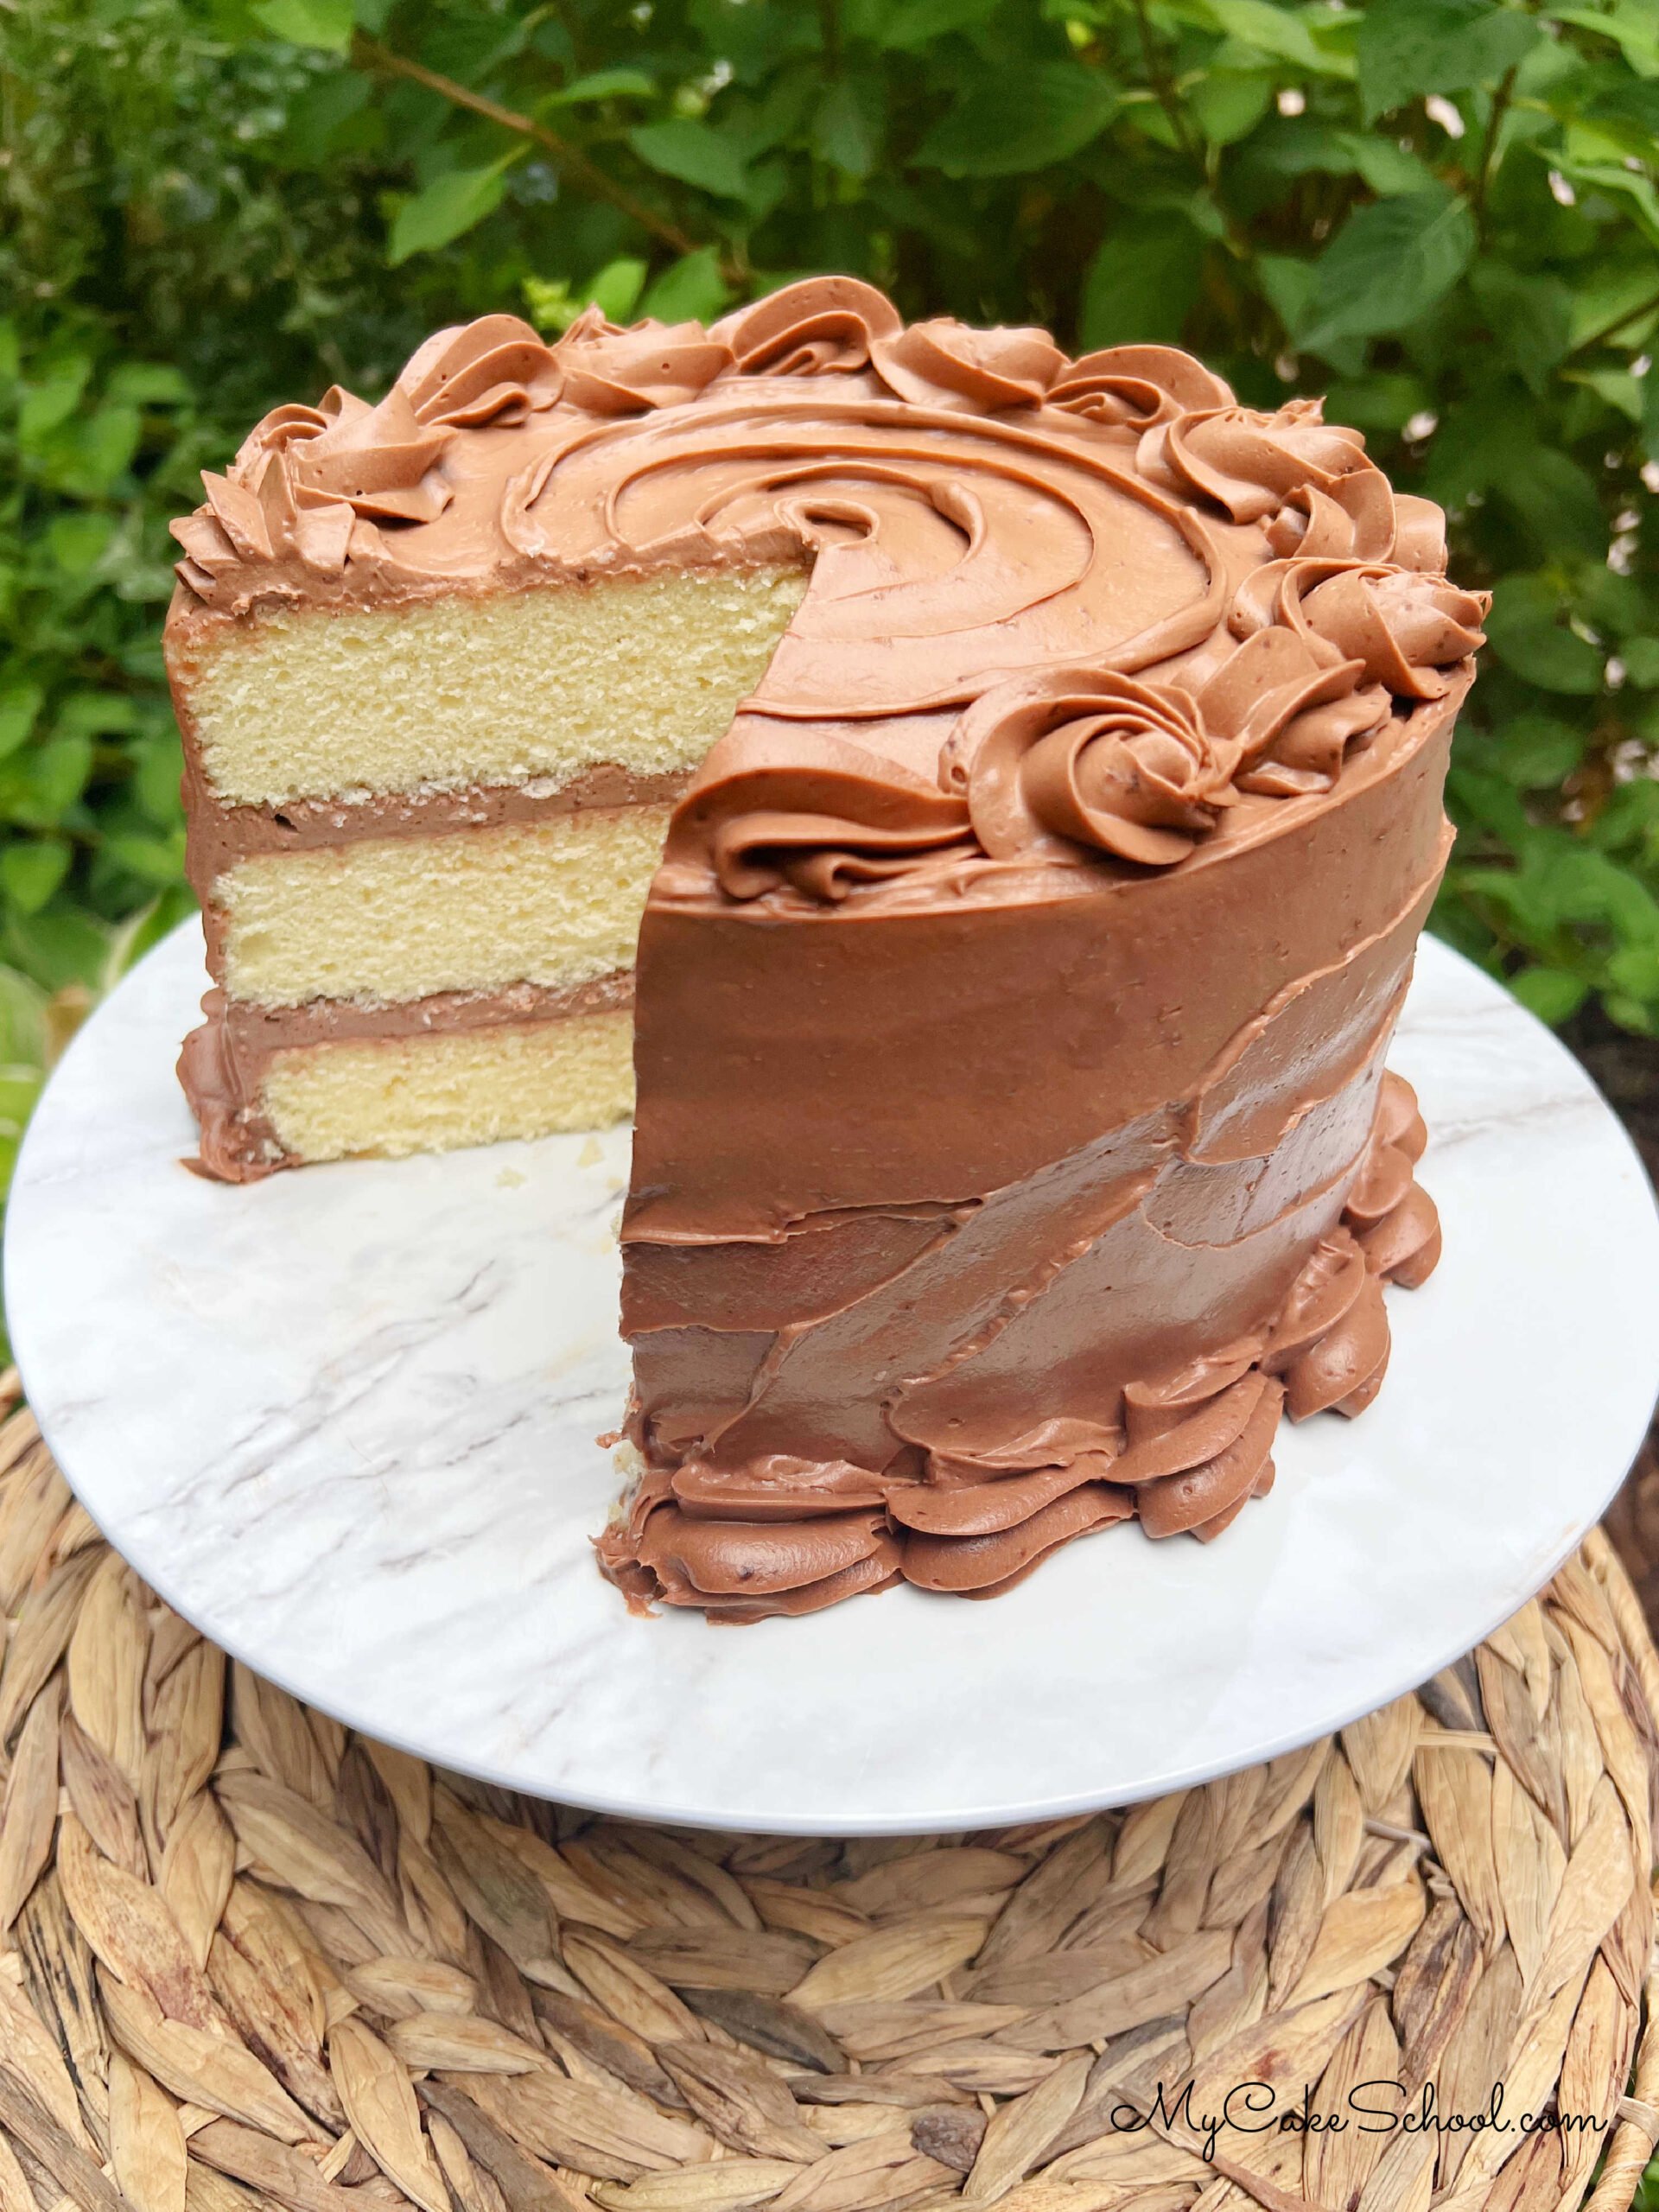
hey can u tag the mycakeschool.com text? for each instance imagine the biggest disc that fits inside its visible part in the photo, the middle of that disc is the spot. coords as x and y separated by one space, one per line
1215 2126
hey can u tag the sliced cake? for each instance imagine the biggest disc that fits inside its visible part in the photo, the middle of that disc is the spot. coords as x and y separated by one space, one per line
1022 776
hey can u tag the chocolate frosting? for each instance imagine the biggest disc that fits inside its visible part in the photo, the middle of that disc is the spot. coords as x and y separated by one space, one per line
1013 1141
1193 1445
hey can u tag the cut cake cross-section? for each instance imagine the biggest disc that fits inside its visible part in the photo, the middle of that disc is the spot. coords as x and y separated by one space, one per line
423 833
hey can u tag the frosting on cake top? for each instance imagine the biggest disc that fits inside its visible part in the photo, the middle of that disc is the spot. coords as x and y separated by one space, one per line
1059 609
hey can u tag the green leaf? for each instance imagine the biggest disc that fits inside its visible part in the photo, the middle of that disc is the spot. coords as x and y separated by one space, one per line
1027 116
78 542
1527 629
53 400
1529 317
552 304
19 704
1617 387
1407 47
616 290
1632 26
1292 146
1478 797
1558 501
331 117
58 773
1228 103
1634 101
326 23
1534 752
1552 993
1388 168
1286 34
1288 285
1385 403
92 462
1142 283
149 384
688 289
1640 658
23 1024
60 946
1605 292
604 85
693 152
157 765
1387 265
1619 183
31 872
915 22
842 131
100 714
446 210
157 861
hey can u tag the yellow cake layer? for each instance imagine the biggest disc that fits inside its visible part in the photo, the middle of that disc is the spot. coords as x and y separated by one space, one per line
492 688
400 1095
556 902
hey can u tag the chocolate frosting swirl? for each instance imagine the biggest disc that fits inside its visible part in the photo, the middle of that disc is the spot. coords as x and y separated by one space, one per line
611 371
1409 632
1086 757
822 325
1138 384
947 364
813 811
494 371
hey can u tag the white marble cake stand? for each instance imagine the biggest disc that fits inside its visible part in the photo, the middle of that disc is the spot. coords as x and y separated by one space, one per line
344 1421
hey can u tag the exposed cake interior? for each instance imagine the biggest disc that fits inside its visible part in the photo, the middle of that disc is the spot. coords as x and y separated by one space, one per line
489 689
448 811
399 1095
556 902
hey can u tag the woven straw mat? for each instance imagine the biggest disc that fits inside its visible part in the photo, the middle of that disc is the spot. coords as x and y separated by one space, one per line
250 1961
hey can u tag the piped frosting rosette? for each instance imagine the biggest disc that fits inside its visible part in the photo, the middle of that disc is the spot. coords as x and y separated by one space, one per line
785 1535
311 485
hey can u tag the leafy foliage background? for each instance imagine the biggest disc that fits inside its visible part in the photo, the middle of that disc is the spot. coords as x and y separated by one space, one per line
1441 212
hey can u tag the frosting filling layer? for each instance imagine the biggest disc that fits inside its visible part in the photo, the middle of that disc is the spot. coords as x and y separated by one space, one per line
220 836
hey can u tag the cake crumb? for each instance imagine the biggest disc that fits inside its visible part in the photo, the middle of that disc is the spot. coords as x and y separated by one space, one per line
591 1153
510 1180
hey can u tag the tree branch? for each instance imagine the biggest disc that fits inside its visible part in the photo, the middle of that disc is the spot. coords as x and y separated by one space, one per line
1596 337
569 159
1163 84
1500 99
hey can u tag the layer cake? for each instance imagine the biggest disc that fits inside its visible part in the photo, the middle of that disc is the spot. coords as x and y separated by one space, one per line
991 799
